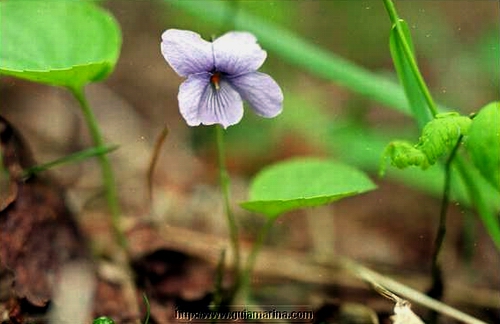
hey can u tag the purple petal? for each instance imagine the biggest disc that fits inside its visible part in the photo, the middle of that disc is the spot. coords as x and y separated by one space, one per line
200 103
189 96
236 53
222 106
186 52
261 92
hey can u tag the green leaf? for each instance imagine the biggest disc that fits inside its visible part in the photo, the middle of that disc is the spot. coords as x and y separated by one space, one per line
64 43
479 194
483 142
303 182
415 97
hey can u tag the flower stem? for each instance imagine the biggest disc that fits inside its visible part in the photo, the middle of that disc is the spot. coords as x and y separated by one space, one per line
436 290
224 183
107 171
252 257
393 15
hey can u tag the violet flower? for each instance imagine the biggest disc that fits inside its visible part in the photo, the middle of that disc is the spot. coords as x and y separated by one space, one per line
220 75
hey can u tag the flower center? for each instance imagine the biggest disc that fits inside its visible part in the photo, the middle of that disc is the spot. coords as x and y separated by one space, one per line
215 80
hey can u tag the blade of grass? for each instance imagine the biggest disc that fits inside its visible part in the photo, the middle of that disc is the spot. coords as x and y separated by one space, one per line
402 38
406 76
72 158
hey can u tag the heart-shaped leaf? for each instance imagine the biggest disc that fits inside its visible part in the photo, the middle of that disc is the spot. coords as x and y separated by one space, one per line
483 142
64 43
303 182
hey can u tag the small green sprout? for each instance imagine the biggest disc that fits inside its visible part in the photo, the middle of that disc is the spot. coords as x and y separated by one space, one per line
107 320
103 320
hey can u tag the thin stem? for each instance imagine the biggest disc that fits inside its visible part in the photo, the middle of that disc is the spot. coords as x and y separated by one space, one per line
154 160
391 10
257 245
121 256
436 290
107 171
218 297
252 257
224 183
148 308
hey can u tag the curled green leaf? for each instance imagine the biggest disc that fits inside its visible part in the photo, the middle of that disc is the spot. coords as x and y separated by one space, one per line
403 154
440 135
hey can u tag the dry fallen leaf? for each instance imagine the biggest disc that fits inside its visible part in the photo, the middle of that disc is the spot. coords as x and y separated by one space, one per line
8 189
37 232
